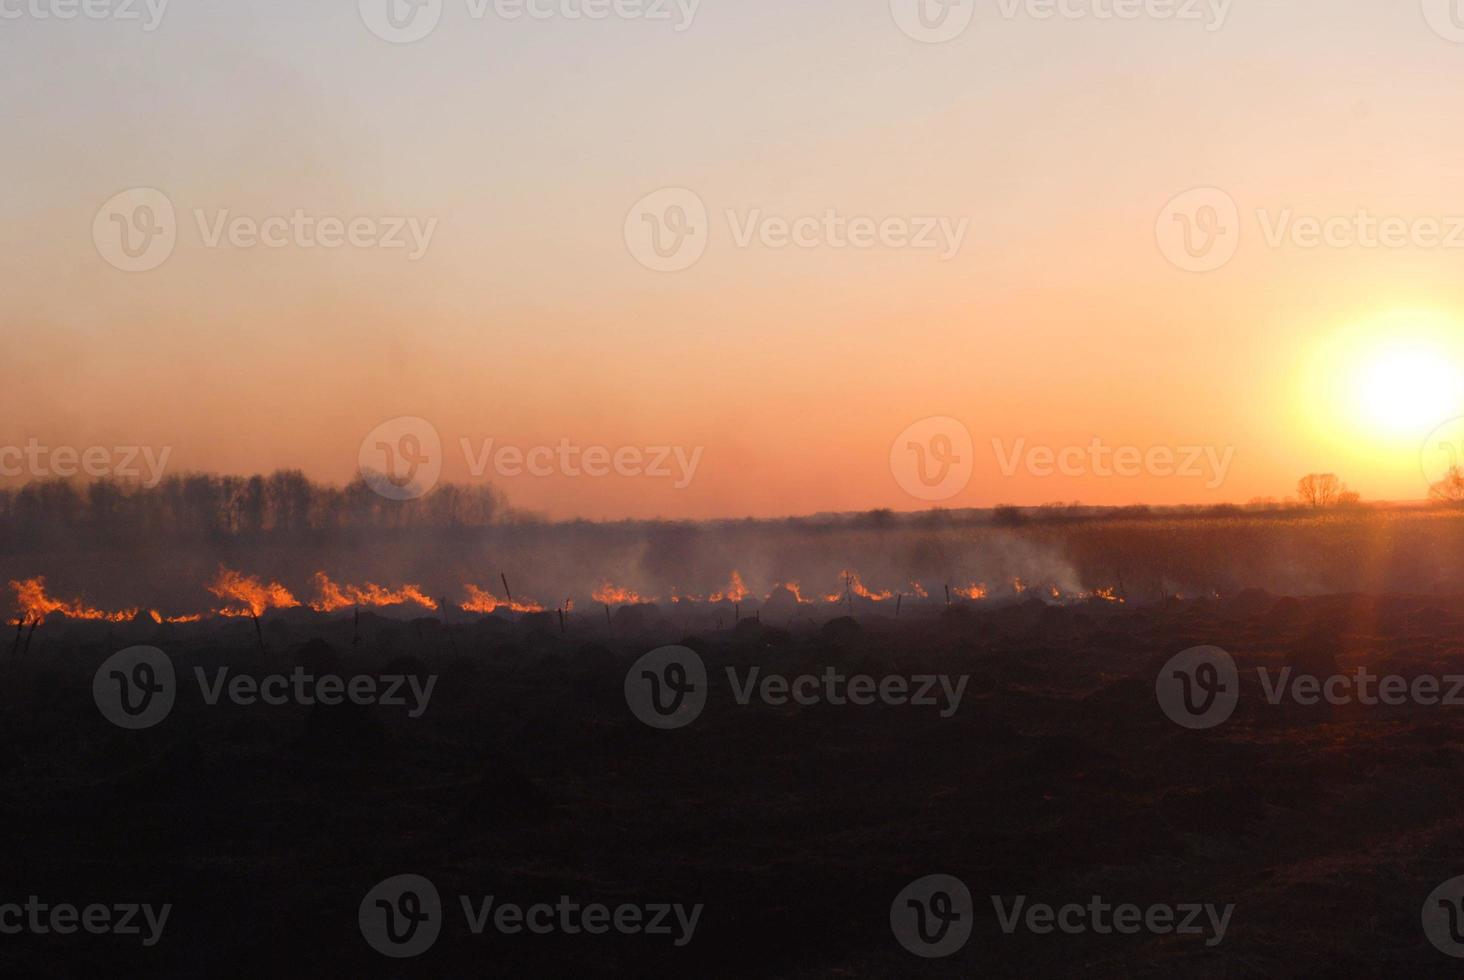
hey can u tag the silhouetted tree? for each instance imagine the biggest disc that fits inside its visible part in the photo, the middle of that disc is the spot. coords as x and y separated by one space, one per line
1449 490
1320 490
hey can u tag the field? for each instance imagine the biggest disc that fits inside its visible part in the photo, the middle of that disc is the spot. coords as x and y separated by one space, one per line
793 826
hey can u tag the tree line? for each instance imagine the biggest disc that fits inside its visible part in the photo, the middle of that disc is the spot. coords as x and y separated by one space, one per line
202 506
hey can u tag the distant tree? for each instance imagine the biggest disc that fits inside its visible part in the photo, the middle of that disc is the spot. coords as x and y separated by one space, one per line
880 517
1320 490
1008 515
1449 490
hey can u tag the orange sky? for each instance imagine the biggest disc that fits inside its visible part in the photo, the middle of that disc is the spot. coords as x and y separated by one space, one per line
793 370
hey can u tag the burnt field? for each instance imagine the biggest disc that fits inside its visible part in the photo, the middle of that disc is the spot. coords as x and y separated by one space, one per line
790 828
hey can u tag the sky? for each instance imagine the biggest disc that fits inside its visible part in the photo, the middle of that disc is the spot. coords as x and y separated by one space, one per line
1021 310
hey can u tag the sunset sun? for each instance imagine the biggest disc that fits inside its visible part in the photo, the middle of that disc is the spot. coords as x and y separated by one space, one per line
1405 388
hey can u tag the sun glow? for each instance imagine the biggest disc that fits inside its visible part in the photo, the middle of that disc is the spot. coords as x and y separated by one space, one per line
1406 388
1377 387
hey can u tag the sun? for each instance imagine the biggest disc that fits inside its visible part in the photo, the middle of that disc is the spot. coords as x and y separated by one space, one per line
1404 387
1380 384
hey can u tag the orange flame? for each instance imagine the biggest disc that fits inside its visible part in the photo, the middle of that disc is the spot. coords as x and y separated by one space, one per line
612 595
858 588
36 605
333 597
736 591
254 594
974 592
160 619
792 587
484 602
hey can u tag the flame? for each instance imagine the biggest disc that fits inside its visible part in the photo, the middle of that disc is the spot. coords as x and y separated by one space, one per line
1018 586
35 604
1106 594
793 588
975 592
482 601
333 597
857 587
160 619
255 595
612 595
736 591
919 590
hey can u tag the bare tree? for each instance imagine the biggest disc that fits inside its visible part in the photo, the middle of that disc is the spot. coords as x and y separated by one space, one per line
1449 490
1320 490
